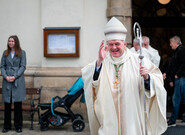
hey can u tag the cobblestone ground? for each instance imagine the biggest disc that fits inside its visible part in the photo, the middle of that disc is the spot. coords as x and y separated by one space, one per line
63 130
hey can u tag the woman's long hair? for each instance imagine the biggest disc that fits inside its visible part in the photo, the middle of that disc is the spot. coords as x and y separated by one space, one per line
17 47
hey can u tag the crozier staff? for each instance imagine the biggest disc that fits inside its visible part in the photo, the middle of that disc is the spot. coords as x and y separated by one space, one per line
113 92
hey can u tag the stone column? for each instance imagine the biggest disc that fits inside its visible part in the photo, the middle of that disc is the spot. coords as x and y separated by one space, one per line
121 9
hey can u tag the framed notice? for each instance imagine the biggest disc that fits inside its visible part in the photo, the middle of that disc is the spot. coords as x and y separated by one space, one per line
61 42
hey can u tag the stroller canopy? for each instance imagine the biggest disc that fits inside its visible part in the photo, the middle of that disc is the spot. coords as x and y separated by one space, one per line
78 85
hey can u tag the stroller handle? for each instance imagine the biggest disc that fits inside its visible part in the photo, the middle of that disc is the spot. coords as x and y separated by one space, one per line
57 97
54 105
60 101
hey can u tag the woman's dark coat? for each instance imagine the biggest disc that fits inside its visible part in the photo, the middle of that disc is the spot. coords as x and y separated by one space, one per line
13 91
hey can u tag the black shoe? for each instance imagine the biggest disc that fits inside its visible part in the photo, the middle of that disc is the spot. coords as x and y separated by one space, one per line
171 124
19 130
5 130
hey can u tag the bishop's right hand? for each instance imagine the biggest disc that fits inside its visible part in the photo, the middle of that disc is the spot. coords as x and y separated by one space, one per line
102 54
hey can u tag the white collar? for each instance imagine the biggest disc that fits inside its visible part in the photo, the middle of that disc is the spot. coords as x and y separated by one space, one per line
120 59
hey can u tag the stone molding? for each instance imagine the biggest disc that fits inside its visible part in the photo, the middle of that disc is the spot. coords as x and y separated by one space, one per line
50 77
53 72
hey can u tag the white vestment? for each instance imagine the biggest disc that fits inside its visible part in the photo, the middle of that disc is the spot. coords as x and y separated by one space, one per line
145 53
120 111
155 55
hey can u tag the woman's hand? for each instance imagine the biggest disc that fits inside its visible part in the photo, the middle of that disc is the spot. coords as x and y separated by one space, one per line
10 78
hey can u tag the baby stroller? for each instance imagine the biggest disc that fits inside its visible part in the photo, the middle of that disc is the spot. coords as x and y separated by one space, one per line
56 118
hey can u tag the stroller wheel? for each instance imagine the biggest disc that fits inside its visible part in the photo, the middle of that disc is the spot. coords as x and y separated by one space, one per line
78 125
78 116
44 126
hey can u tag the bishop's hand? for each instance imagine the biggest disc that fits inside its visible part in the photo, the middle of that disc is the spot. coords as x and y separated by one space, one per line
144 72
102 54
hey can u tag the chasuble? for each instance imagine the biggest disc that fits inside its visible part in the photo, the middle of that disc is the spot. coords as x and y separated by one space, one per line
119 110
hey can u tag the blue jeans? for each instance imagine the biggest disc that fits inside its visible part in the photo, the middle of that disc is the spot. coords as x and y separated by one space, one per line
178 95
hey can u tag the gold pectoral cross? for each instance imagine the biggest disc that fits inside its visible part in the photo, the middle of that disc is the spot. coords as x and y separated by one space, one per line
116 83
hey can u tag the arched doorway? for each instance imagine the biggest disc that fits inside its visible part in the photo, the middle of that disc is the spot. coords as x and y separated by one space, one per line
160 22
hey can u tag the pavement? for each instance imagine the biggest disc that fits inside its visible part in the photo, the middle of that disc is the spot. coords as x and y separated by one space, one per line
63 130
179 129
67 129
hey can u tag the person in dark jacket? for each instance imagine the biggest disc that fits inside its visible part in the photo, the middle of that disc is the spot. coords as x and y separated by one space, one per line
13 65
177 77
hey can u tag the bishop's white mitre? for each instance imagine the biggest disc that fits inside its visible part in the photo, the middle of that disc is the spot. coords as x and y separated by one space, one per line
115 30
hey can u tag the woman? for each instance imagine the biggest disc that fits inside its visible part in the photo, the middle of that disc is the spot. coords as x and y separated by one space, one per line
13 65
